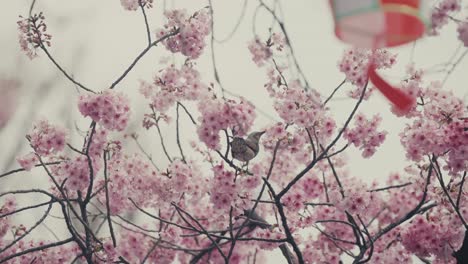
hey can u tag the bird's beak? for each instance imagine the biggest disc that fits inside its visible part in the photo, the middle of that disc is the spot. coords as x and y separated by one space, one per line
260 134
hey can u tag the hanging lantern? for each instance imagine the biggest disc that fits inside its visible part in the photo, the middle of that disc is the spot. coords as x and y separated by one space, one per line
378 24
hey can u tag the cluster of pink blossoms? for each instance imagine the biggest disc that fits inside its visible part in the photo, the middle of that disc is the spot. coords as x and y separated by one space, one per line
321 250
262 52
132 5
436 236
411 87
51 255
172 85
267 233
440 14
32 34
110 109
28 161
364 135
390 254
9 92
134 177
135 247
8 207
76 171
46 140
218 114
187 178
293 141
355 64
190 41
356 199
463 33
440 128
298 106
223 189
99 142
403 200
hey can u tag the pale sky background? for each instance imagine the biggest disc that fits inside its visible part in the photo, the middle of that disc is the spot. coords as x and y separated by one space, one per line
96 40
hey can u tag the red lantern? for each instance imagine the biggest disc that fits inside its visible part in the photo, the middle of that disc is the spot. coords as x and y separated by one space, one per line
377 24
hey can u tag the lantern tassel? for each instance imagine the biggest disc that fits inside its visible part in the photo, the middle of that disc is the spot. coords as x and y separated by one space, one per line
401 100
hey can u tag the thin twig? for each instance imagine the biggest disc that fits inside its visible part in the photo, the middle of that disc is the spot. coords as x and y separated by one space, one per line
135 61
284 221
322 155
148 34
333 93
188 113
63 71
460 190
39 248
27 232
162 143
390 187
288 42
178 135
21 169
106 182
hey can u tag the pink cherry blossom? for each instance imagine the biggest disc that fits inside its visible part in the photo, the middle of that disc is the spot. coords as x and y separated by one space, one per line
111 109
440 14
355 64
365 135
47 139
260 51
32 34
223 189
172 84
132 5
439 129
28 161
7 207
218 115
190 41
463 33
115 197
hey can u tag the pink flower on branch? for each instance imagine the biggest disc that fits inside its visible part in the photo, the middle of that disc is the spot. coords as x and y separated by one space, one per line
190 41
441 13
28 161
439 129
263 51
47 139
111 109
218 115
172 84
355 64
463 32
32 34
8 206
132 5
365 134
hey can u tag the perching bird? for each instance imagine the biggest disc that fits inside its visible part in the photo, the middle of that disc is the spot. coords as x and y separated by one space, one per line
246 149
256 220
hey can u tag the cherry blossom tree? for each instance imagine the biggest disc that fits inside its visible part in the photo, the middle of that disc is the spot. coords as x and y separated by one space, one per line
196 203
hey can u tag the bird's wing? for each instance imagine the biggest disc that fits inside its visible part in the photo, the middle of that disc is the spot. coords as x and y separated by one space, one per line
252 145
238 145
